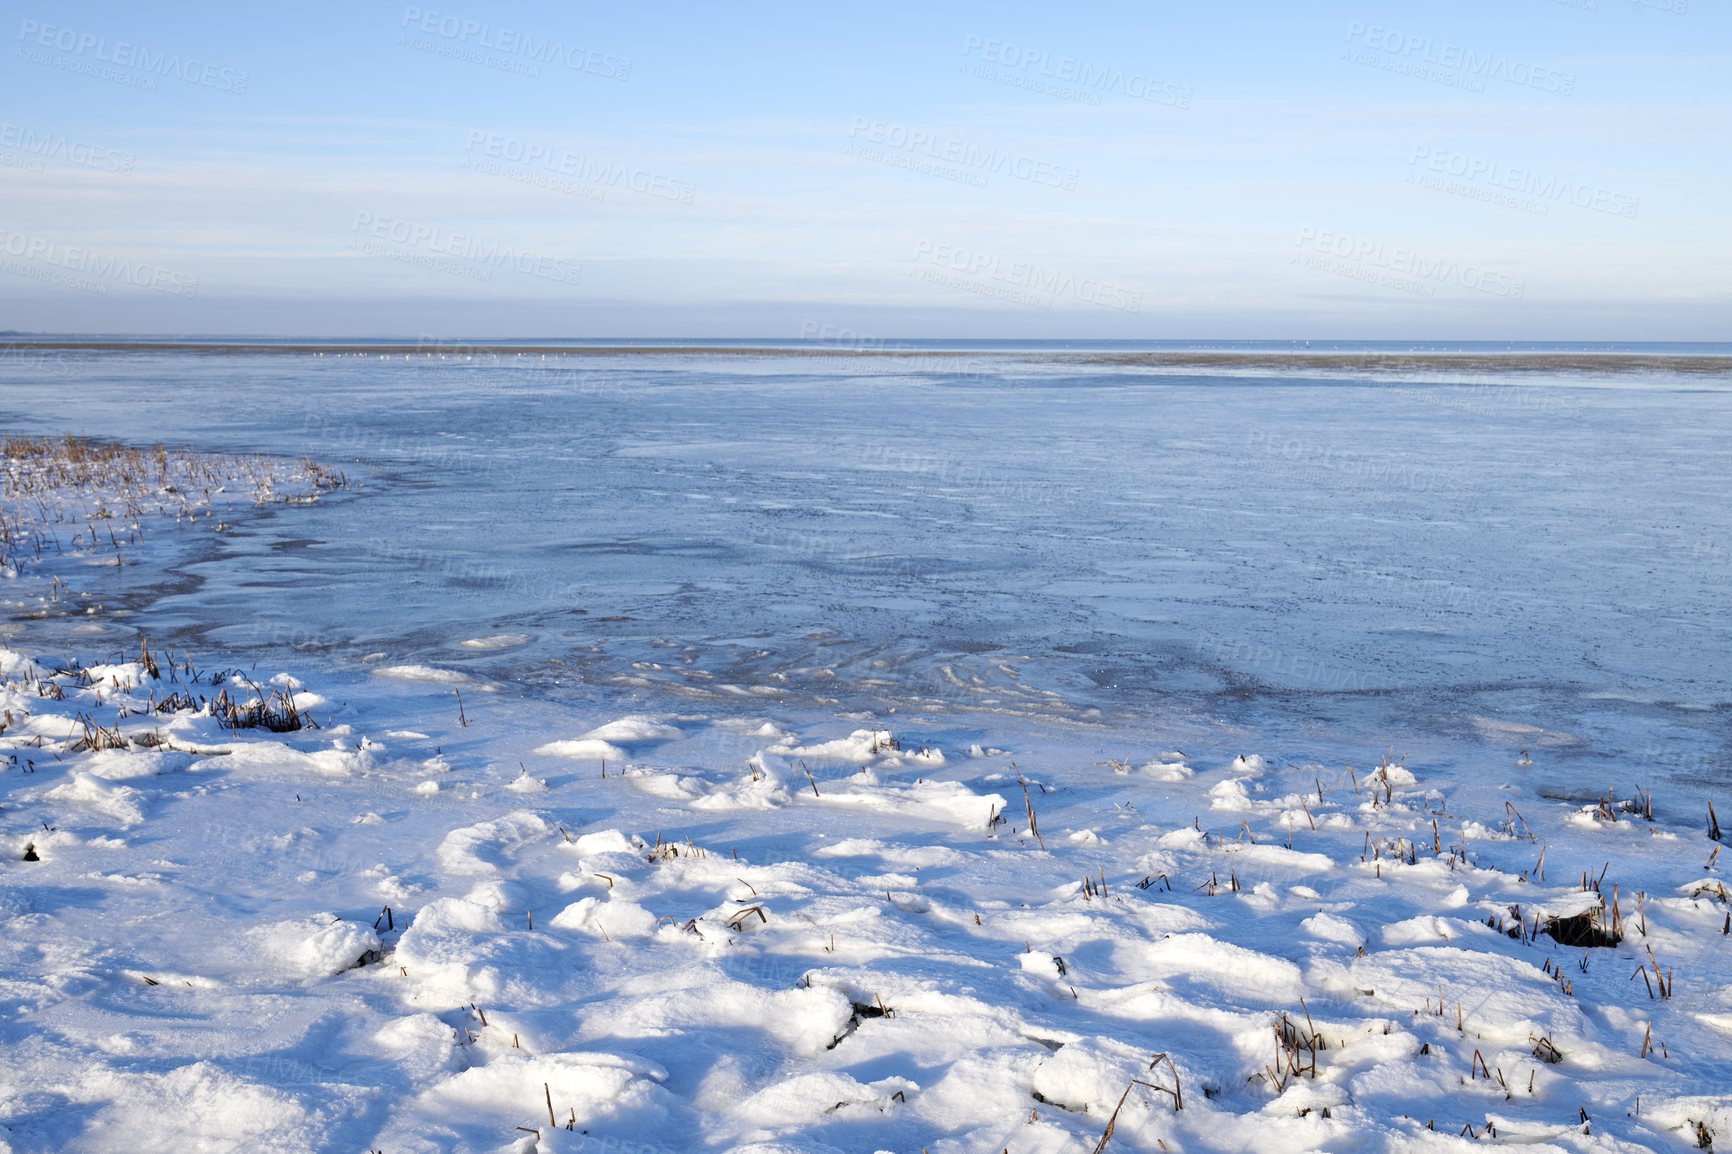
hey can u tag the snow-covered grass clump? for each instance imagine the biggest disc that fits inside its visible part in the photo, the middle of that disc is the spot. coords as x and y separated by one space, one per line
74 494
465 937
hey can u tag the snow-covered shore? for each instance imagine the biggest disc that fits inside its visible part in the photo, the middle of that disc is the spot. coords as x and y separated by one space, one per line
403 932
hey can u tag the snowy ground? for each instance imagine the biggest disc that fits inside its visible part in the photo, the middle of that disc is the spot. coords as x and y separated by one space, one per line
402 933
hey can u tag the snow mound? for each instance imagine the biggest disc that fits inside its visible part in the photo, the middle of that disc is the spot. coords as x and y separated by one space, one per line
523 783
1229 795
1233 970
898 855
483 848
811 1098
603 841
195 1107
490 1100
453 915
672 786
14 665
761 788
1165 770
1287 861
120 764
423 1043
1511 998
314 947
421 673
1185 837
805 1019
120 802
1425 930
1089 1074
278 757
632 729
1569 905
1329 928
124 673
604 741
943 801
614 918
497 641
584 749
860 747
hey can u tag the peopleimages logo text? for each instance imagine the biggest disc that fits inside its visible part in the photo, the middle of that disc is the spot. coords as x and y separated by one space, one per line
72 43
970 159
438 243
1479 65
563 162
1523 180
47 146
511 42
981 270
1069 70
1418 268
91 262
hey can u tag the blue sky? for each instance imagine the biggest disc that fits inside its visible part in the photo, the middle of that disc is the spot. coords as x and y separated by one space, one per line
1523 169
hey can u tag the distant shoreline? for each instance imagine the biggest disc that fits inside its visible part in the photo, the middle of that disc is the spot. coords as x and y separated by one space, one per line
1513 361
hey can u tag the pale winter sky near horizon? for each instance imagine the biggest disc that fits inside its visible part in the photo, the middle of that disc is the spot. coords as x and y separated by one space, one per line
1521 169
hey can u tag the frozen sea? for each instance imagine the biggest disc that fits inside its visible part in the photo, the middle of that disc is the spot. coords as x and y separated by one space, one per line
1053 539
